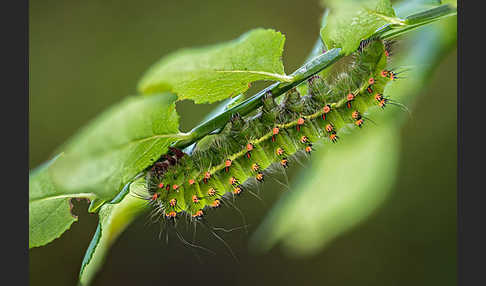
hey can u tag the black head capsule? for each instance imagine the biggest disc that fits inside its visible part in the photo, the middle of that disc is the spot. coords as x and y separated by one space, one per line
160 168
171 160
178 153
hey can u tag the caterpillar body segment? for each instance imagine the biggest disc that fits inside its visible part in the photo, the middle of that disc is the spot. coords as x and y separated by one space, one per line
248 145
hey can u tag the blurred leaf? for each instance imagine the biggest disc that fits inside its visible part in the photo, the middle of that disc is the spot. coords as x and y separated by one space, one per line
346 182
405 8
117 145
113 219
220 71
49 209
341 187
351 21
453 3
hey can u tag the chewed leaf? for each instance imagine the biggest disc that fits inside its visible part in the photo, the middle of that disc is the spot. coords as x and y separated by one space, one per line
49 209
117 145
351 21
220 71
113 219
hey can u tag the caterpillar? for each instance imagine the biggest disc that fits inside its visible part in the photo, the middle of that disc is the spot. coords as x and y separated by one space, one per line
181 184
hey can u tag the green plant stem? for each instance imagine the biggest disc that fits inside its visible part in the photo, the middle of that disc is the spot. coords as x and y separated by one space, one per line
415 20
311 68
303 73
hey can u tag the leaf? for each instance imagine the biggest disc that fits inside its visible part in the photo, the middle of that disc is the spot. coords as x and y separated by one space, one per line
343 186
49 209
405 8
116 146
453 3
99 161
114 217
351 21
213 73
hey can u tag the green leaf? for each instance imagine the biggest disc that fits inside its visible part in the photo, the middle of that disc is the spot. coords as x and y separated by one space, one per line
453 3
116 146
343 185
99 161
220 71
405 8
114 217
49 208
351 21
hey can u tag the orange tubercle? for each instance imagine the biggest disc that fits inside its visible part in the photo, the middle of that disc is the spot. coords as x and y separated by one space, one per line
284 162
216 204
326 108
227 163
333 137
171 214
237 190
255 167
199 213
233 180
329 128
259 177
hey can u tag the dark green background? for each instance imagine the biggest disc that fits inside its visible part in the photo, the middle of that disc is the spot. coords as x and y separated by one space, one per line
87 55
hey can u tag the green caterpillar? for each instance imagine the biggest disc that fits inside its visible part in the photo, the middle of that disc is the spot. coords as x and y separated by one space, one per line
221 163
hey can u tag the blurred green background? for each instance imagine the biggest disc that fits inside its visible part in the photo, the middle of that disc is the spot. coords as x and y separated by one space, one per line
87 55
